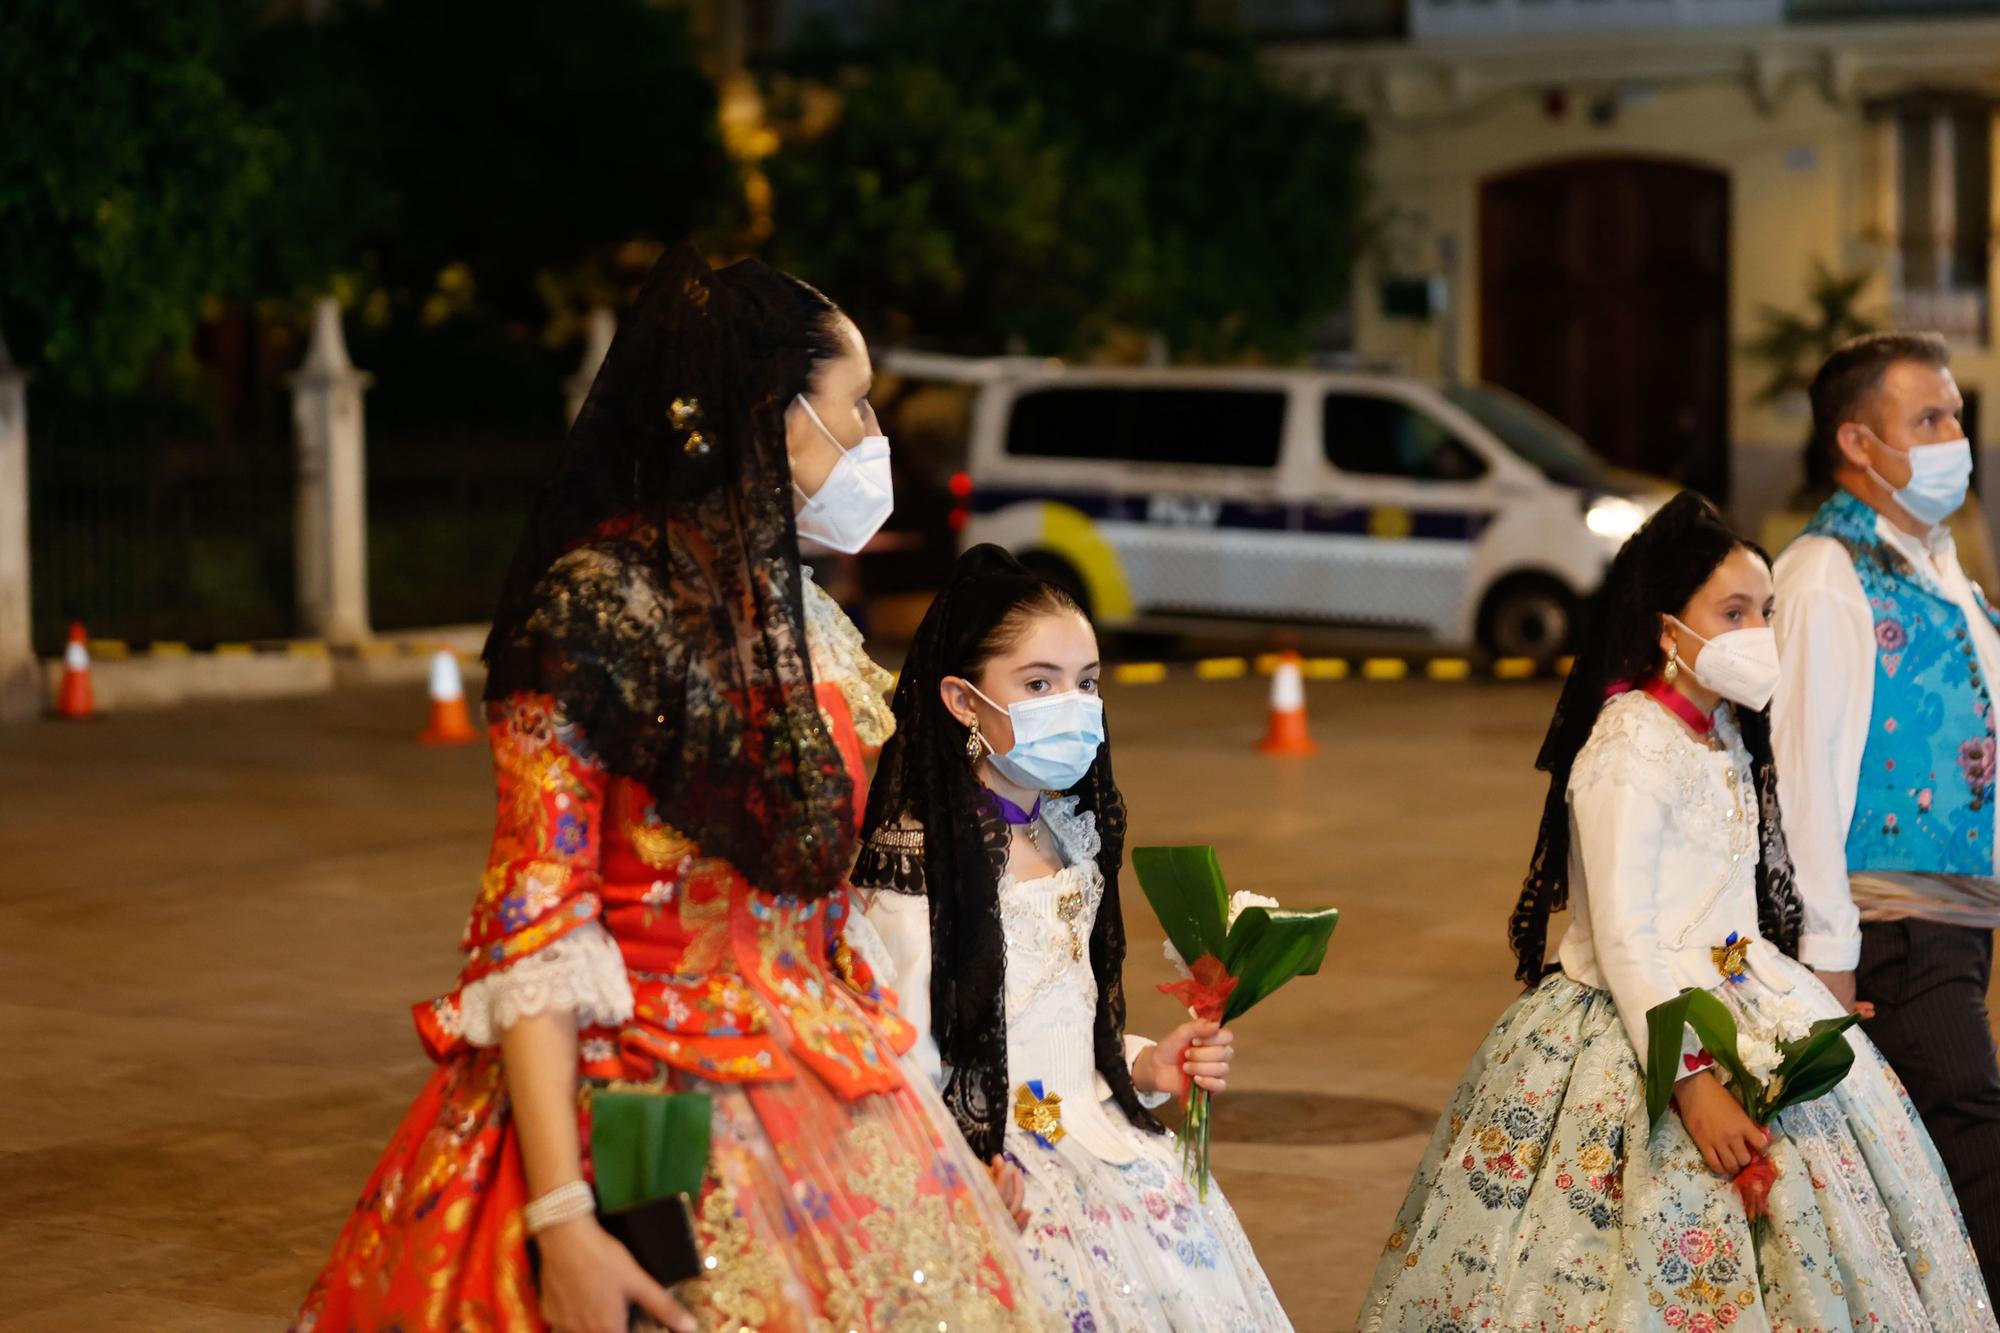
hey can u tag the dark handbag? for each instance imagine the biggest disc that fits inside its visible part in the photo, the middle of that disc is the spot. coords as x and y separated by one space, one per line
649 1154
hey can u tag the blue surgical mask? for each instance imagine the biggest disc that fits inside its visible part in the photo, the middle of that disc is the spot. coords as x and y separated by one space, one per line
1939 477
1056 739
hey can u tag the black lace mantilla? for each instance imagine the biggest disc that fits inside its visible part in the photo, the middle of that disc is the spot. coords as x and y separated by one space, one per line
657 593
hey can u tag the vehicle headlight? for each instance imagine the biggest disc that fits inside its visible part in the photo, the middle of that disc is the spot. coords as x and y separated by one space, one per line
1614 517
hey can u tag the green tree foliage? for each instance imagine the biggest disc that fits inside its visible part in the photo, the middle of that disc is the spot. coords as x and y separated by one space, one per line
499 142
933 216
131 176
1044 170
157 156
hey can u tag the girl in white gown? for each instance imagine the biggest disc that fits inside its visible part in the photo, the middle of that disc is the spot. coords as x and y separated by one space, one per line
990 867
1547 1199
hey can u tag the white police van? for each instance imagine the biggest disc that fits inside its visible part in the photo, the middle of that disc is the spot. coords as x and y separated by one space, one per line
1175 499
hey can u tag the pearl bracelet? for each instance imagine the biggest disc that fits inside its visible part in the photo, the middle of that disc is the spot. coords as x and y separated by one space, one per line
564 1203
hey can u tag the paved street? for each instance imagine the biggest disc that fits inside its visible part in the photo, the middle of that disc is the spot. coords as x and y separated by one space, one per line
217 917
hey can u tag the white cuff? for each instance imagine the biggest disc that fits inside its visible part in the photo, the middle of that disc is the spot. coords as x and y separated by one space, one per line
1830 953
1133 1046
582 972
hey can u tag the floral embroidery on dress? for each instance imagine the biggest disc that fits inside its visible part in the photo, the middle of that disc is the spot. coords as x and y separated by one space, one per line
1622 1229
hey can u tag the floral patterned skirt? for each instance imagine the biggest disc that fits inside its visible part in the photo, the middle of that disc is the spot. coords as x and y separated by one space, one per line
1544 1203
1125 1247
819 1213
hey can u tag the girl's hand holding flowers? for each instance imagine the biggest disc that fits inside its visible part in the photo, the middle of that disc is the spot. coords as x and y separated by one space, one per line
1193 1055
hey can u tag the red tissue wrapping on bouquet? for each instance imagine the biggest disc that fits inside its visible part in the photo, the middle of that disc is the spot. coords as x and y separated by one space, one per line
1753 1185
1206 991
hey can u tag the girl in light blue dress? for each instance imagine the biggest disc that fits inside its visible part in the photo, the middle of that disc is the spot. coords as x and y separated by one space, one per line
1546 1201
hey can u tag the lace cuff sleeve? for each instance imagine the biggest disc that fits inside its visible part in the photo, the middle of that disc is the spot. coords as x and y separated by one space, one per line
539 892
582 973
1135 1045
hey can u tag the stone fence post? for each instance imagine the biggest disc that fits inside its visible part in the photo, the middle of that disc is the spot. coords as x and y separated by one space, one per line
20 674
330 539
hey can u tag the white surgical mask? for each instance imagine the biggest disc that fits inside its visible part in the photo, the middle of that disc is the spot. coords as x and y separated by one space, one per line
1741 666
854 501
1056 738
1939 476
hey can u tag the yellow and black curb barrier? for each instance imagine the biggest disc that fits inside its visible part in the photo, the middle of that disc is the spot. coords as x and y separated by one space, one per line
1126 673
118 650
1341 668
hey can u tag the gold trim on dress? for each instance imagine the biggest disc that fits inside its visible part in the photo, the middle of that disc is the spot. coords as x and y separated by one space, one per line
660 846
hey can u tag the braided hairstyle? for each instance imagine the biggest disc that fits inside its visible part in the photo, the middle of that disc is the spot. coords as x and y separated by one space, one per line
1656 575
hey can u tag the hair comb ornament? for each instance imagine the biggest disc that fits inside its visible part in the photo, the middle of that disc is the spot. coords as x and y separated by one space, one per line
685 414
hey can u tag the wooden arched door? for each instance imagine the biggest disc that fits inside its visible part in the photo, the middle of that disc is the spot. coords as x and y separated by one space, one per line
1604 300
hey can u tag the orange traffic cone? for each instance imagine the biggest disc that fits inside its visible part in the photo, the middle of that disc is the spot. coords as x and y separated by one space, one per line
1287 732
450 725
74 699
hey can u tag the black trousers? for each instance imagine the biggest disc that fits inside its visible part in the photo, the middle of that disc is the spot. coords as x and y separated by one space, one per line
1928 983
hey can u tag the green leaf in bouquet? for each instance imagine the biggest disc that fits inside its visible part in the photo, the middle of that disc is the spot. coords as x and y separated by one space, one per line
1186 889
1813 1065
1664 1023
647 1145
1266 948
1714 1027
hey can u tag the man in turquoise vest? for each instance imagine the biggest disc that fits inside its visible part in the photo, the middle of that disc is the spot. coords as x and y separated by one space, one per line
1884 737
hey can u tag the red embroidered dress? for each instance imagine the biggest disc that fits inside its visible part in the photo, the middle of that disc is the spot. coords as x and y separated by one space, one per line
839 1196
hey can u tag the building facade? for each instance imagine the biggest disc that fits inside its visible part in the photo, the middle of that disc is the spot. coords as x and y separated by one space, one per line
1611 197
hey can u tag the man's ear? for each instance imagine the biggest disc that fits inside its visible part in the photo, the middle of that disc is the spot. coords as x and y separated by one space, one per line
1853 439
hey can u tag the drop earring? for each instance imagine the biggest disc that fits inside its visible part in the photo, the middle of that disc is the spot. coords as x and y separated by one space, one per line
1673 667
974 746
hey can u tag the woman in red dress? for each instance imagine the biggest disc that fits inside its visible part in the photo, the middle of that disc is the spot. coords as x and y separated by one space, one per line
677 718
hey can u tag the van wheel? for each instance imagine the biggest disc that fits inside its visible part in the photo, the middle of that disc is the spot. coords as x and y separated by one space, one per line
1048 565
1531 616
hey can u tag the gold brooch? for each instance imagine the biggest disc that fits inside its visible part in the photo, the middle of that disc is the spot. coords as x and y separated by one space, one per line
683 412
1039 1115
1731 956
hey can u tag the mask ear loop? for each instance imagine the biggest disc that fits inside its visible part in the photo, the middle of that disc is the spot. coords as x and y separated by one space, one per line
806 403
998 708
1908 456
976 744
1674 665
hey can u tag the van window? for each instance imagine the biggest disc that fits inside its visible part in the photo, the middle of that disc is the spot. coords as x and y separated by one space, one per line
1381 437
1532 433
1206 427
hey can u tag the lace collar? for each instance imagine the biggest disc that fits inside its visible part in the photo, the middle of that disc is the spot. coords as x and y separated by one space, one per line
840 658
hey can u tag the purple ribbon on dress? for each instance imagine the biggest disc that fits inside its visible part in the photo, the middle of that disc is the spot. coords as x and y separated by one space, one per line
1012 813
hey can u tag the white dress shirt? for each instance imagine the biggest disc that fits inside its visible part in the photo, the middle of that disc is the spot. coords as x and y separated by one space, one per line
1825 701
